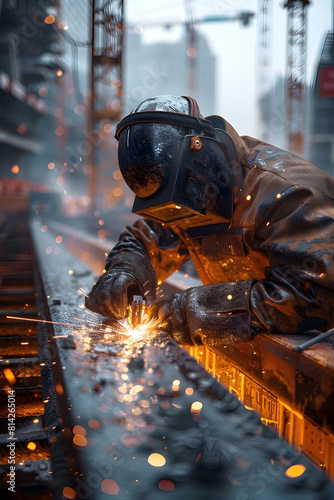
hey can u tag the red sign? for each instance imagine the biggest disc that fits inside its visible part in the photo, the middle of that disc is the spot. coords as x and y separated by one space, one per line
326 81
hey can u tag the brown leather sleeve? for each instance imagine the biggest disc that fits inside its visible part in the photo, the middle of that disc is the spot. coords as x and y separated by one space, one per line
298 237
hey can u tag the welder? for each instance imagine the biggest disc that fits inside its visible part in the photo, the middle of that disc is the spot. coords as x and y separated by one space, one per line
257 222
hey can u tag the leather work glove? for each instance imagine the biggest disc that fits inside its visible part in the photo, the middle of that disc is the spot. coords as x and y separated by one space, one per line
211 314
129 274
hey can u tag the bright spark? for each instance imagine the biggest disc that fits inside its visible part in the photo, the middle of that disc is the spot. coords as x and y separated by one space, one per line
41 321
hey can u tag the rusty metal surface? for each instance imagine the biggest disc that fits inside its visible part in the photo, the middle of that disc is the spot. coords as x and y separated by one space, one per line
299 380
22 422
123 399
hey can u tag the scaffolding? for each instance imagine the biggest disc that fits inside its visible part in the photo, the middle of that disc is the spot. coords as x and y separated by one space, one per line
296 71
265 80
106 75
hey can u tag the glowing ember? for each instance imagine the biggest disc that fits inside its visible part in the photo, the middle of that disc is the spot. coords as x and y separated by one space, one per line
69 492
31 446
110 487
166 485
94 424
80 440
156 460
295 470
196 407
9 375
77 429
59 389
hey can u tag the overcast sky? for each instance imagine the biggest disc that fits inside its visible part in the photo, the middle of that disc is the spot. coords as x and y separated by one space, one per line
235 46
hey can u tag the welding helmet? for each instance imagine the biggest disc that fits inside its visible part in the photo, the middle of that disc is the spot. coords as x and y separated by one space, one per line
179 165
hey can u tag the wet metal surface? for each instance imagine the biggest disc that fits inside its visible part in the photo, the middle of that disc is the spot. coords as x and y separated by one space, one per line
141 418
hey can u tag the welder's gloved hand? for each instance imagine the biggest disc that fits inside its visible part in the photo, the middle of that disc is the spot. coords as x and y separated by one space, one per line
130 274
211 314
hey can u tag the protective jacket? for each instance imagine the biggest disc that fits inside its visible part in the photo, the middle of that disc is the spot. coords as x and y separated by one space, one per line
274 265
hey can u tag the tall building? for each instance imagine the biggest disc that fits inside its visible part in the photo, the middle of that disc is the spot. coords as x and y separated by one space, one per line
169 68
321 143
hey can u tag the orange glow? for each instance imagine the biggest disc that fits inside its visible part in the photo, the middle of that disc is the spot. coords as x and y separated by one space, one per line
248 197
117 174
278 195
69 492
119 92
156 460
59 239
59 72
191 52
22 128
189 391
31 446
60 181
166 485
116 83
94 424
59 389
42 91
229 297
196 406
36 420
77 429
50 20
107 127
9 375
63 25
51 165
79 109
60 131
110 487
117 191
295 470
58 112
80 440
15 169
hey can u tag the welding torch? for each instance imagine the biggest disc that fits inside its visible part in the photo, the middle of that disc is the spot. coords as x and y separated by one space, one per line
137 307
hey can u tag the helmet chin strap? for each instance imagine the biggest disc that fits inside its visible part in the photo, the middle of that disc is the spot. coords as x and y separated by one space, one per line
199 125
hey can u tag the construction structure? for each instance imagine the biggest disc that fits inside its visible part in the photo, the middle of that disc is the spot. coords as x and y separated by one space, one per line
106 75
322 109
265 79
295 77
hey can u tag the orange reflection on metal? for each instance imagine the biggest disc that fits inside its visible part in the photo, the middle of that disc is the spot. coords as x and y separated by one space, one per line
77 429
295 470
80 440
109 487
166 485
196 407
156 460
94 424
9 375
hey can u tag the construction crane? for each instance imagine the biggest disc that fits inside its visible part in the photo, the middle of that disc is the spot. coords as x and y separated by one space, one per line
296 66
108 28
265 73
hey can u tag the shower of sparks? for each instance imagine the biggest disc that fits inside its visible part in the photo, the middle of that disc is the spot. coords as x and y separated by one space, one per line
41 321
88 329
146 331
